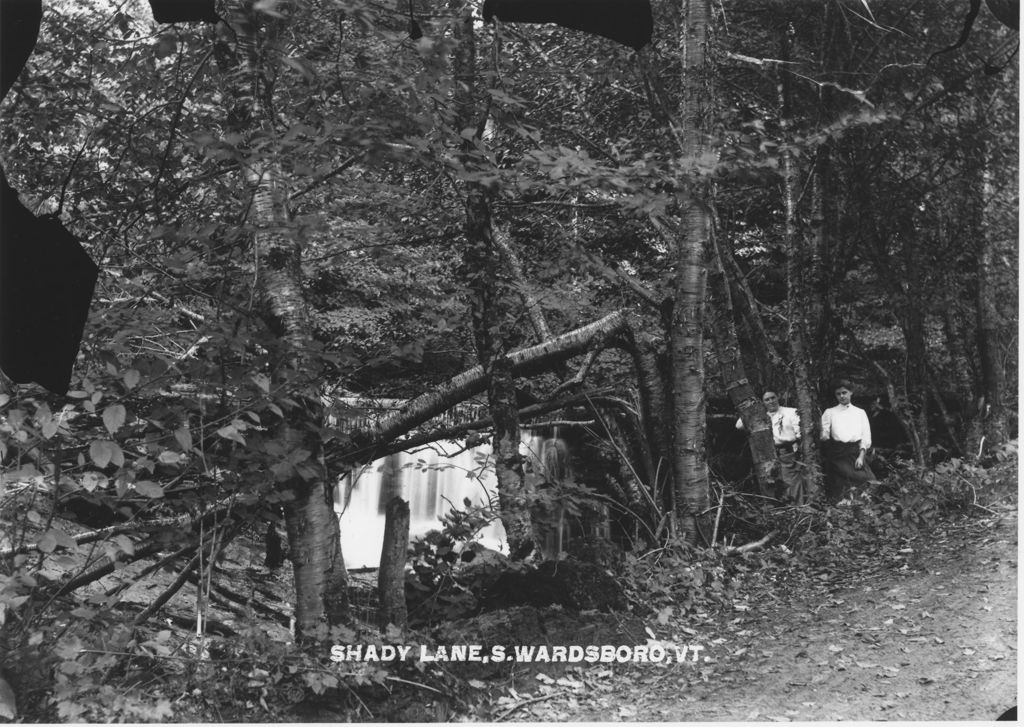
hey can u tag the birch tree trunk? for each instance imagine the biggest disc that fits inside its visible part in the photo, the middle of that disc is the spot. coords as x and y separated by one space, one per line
686 319
312 527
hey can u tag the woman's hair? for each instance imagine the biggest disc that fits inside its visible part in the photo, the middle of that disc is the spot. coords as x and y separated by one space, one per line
842 384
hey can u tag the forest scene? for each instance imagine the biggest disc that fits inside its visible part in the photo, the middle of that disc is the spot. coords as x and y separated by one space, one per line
514 360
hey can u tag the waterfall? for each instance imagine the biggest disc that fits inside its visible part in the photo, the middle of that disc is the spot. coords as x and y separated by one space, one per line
433 480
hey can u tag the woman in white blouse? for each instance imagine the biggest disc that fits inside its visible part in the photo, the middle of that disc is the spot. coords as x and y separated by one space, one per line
846 439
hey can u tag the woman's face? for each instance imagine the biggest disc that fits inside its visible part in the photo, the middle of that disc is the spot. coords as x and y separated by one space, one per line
843 395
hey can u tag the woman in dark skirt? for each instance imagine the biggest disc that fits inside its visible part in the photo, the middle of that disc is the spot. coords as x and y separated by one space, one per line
845 441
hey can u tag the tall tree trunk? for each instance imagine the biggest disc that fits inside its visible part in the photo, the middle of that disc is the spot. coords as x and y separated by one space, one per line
312 527
818 291
798 301
686 319
490 323
491 303
963 368
989 328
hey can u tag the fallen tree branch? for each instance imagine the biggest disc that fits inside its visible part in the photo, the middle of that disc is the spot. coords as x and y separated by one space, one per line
130 527
152 568
483 424
616 275
228 597
168 594
371 444
580 375
416 684
525 702
756 545
106 570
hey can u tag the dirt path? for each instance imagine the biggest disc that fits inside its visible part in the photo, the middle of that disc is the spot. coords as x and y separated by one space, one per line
929 633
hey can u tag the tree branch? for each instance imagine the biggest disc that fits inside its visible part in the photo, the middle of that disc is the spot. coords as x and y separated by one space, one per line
756 545
616 275
333 173
501 240
370 445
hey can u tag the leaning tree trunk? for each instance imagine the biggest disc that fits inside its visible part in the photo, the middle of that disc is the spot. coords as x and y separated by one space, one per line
766 357
312 527
730 361
654 405
686 319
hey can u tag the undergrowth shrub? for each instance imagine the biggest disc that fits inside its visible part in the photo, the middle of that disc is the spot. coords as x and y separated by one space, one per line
448 568
910 501
677 578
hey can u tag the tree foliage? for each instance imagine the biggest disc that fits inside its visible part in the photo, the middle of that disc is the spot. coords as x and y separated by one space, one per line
870 206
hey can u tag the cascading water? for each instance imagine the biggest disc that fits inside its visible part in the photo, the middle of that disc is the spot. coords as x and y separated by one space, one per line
433 480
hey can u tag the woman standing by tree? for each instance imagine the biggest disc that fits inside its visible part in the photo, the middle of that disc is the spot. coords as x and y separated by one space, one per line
846 439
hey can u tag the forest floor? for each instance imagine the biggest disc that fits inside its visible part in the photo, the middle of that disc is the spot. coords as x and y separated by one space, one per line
920 626
926 631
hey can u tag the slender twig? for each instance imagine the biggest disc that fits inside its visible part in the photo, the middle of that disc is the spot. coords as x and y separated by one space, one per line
177 120
562 423
228 596
70 173
580 375
541 698
151 568
168 592
624 458
615 274
415 684
333 173
718 517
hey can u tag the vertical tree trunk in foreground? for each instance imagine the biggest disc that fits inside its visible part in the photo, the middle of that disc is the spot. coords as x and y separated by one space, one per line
992 411
686 320
799 302
391 575
310 521
492 302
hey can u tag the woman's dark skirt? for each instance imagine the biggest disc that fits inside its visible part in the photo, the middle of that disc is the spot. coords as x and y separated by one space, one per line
841 473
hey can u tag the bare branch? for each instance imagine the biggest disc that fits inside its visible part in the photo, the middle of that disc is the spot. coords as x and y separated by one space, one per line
756 545
333 173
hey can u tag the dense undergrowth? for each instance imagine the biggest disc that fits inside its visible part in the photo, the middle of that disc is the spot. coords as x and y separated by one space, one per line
82 660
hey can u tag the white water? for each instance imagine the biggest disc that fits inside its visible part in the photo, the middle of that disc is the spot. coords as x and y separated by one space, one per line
433 480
